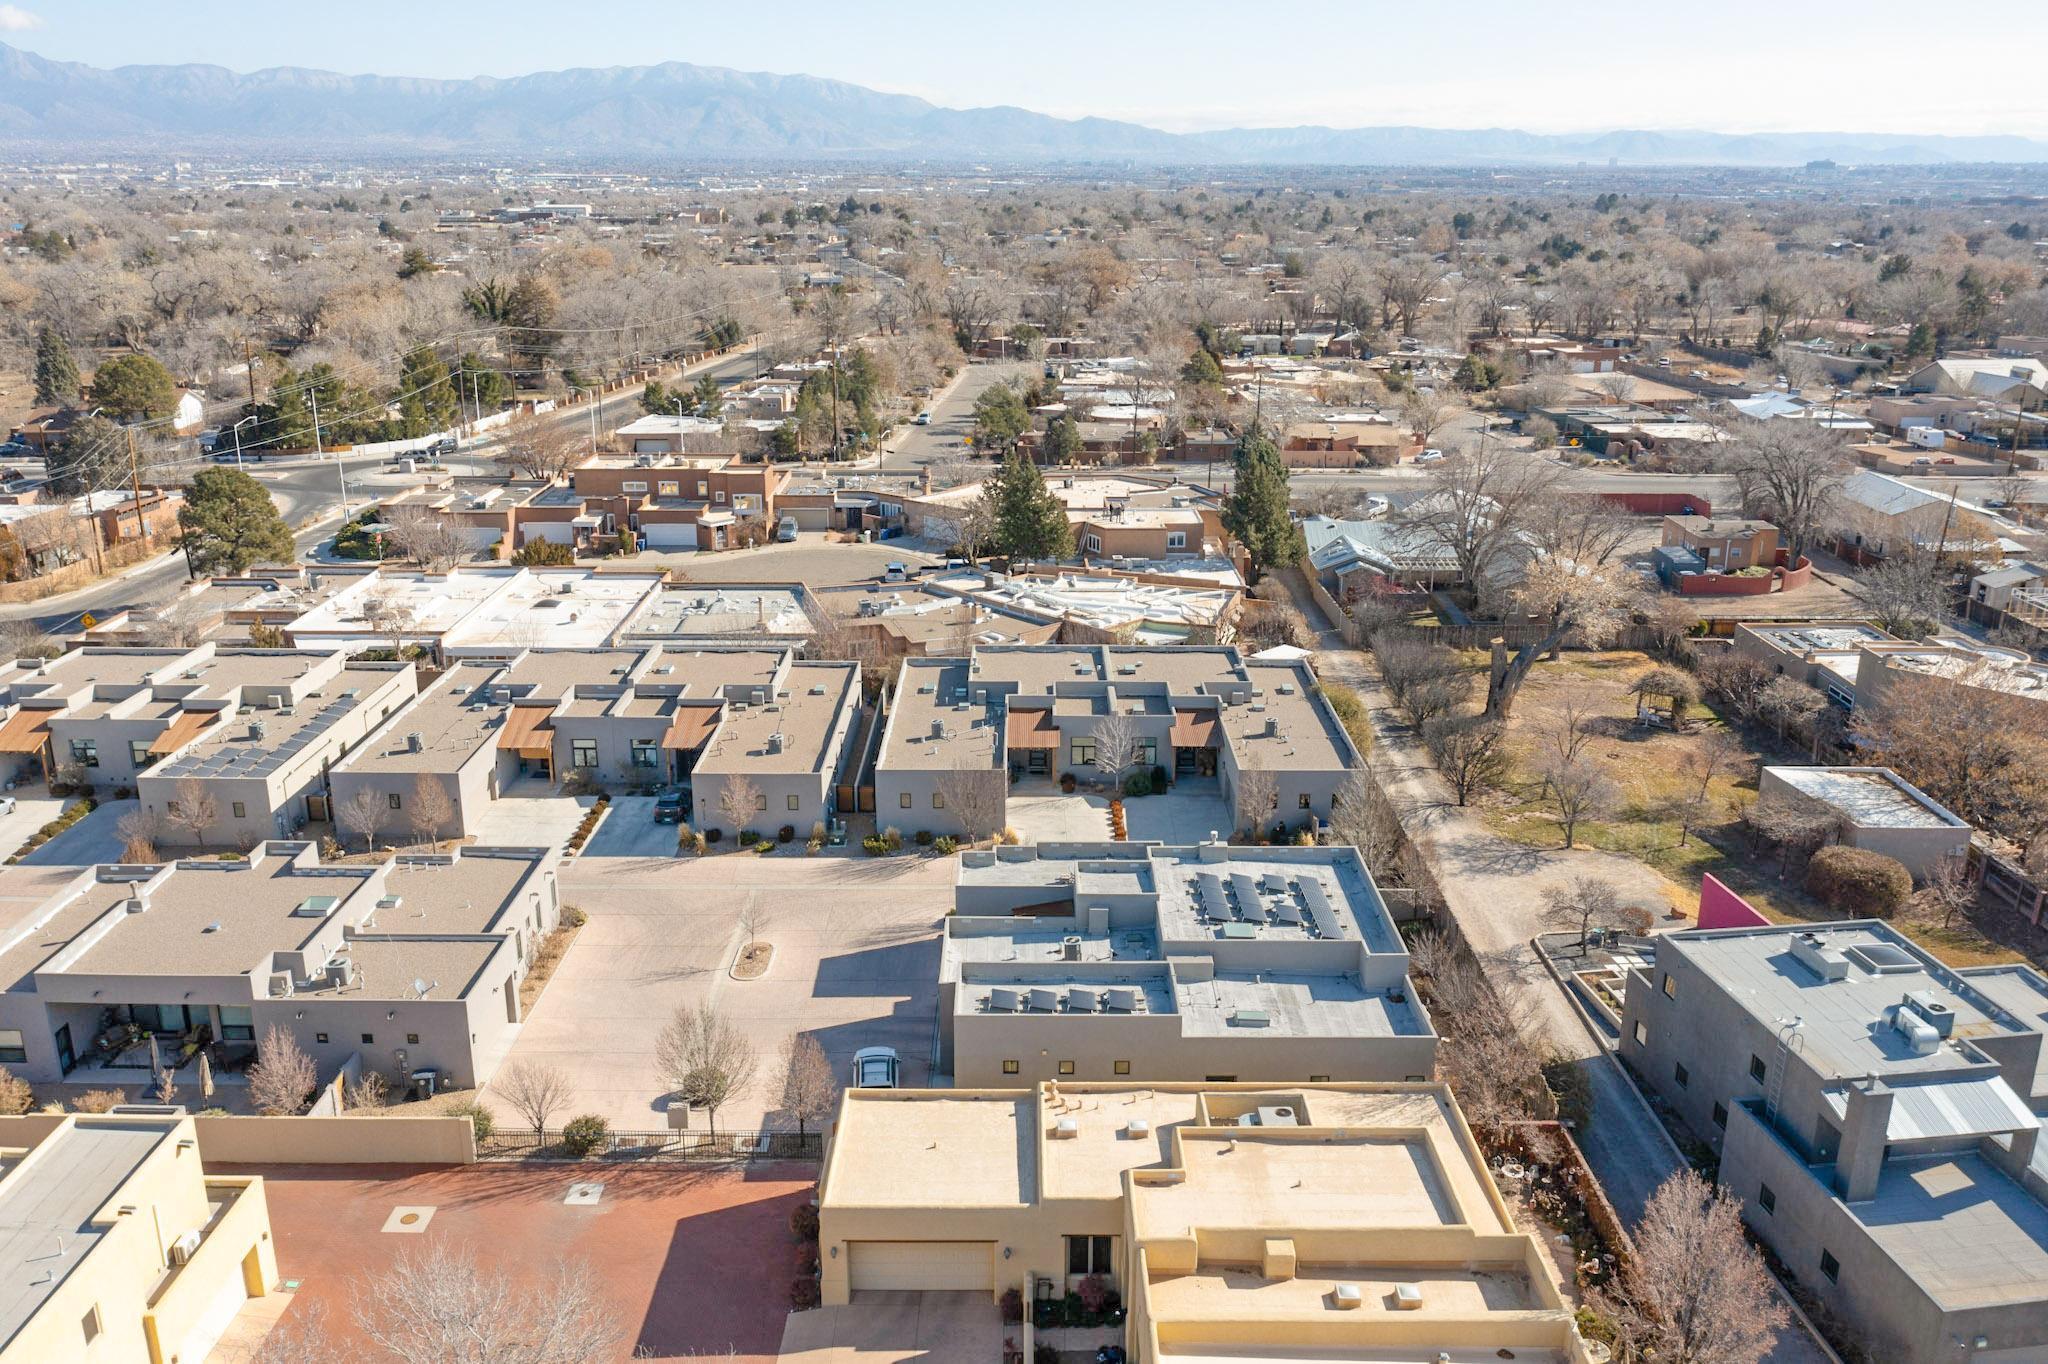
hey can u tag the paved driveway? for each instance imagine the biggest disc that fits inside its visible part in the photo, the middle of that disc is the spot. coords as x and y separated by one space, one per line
629 830
531 821
896 1328
855 964
92 840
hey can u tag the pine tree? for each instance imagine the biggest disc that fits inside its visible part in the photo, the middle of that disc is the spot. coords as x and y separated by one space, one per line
999 418
426 402
1256 511
482 387
1028 521
56 371
134 388
229 523
1062 440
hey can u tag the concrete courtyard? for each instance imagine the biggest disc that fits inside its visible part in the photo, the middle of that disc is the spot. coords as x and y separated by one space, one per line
1043 815
855 964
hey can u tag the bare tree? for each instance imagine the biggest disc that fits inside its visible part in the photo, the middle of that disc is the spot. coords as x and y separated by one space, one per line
192 807
26 639
1618 387
739 800
1697 1292
434 543
1716 754
1570 729
370 1092
976 798
703 1059
1116 746
139 829
1790 472
751 917
1362 817
1471 752
1475 511
810 1092
166 1087
364 814
438 1305
1906 594
1978 750
1579 791
1583 904
1949 891
1586 603
1258 795
431 810
1580 527
1487 1053
1425 414
282 1080
536 1093
537 446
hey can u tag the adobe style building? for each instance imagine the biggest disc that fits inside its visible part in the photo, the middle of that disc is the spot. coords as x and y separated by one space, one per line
1115 961
1876 809
1878 1114
120 1245
411 965
961 730
1235 1221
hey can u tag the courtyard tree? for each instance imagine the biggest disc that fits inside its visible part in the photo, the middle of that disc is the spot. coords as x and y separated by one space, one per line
281 1082
739 800
1696 1291
228 523
536 1092
810 1092
703 1059
1581 905
435 543
192 808
364 814
440 1305
430 809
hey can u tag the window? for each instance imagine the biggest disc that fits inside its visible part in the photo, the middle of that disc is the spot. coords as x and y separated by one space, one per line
903 801
1766 1199
1642 1034
794 800
138 752
938 801
1176 539
1148 752
583 753
1670 987
760 800
1089 1255
1220 1079
1092 543
412 1039
1756 1069
669 487
90 1324
319 1037
644 753
1066 1067
85 752
1009 1067
702 486
395 800
1319 1079
241 809
1720 1115
1123 1067
1681 1074
369 1039
634 485
236 1024
11 1048
1830 1266
718 496
1084 752
1301 801
171 809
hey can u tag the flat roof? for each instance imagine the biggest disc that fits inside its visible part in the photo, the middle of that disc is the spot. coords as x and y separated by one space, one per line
47 1203
804 714
970 737
218 919
387 967
540 674
453 718
1961 1227
44 937
923 1148
685 609
468 893
1871 797
231 749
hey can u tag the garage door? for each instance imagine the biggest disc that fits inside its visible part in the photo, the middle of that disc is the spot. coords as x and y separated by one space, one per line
922 1265
670 534
215 1320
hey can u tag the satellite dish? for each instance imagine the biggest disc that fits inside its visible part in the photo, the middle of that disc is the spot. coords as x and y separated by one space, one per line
420 988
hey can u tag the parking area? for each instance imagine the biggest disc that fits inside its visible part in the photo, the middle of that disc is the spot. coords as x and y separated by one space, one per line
531 821
629 830
879 1327
810 559
855 964
94 839
692 1262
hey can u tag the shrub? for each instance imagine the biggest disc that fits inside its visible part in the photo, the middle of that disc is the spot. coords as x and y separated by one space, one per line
572 917
539 553
874 845
480 1119
689 840
1138 784
1858 881
944 845
819 833
1092 1291
785 833
15 1094
803 1295
1158 779
97 1100
1067 783
924 838
583 1135
1350 712
803 1222
748 838
893 837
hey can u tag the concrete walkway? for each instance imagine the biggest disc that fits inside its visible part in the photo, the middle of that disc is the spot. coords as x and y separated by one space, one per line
1493 887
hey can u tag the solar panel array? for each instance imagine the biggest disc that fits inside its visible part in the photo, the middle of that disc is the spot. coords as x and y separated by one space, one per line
252 757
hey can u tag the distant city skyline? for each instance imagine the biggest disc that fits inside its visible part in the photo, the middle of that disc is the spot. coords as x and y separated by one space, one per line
1739 66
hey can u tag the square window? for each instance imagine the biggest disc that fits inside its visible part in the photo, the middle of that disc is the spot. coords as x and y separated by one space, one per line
1009 1067
1301 801
794 800
1176 539
1830 1266
395 800
1642 1034
1319 1079
241 810
1670 987
369 1039
319 1037
903 801
1720 1115
412 1039
171 809
1066 1067
938 801
1123 1067
90 1324
1756 1069
583 753
12 1048
1681 1074
760 800
1766 1199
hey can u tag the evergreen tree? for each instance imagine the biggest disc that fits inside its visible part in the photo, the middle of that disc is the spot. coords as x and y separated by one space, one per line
1026 520
1256 510
482 387
1062 440
415 262
229 523
426 398
706 396
134 388
999 418
1202 368
56 371
655 398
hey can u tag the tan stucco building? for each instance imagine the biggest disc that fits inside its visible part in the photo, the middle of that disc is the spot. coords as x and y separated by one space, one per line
1239 1221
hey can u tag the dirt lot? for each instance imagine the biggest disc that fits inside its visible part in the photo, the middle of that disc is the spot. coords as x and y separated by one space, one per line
693 1261
1647 819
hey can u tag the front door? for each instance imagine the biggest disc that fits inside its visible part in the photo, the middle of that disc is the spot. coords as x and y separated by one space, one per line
1038 761
1184 761
316 809
65 1057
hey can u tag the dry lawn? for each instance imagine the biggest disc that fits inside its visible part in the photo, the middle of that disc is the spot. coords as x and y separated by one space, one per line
1647 821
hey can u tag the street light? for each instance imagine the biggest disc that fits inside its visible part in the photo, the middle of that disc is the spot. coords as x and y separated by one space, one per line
236 432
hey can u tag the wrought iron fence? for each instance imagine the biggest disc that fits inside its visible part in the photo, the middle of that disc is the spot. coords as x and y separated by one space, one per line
518 1143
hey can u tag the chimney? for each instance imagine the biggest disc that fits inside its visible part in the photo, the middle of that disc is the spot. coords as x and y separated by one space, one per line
1860 1160
925 480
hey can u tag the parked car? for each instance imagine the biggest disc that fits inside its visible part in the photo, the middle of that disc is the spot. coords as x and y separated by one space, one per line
1429 456
672 807
924 419
785 529
1664 362
895 573
876 1068
6 805
1923 462
1944 459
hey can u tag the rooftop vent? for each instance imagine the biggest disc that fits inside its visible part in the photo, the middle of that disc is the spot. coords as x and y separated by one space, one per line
1824 961
1937 1014
1408 1297
315 907
1066 1129
775 742
1276 1115
1272 727
938 728
1921 1037
1346 1297
391 902
340 973
1250 1018
1138 1128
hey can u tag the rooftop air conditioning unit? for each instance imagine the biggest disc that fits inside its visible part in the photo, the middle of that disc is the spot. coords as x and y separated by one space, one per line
414 742
938 729
280 985
1070 949
1937 1014
255 729
340 973
391 902
185 1247
775 743
1272 727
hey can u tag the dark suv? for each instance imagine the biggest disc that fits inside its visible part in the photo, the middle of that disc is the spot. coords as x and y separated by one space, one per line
671 807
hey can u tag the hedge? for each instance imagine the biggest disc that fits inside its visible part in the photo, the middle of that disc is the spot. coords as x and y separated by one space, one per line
1858 881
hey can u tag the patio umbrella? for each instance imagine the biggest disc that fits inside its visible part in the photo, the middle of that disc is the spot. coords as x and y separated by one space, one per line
205 1077
156 1064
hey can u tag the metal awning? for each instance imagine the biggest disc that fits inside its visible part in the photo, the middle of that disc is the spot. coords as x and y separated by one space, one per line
26 731
527 730
1031 729
1980 1107
183 728
1194 729
690 726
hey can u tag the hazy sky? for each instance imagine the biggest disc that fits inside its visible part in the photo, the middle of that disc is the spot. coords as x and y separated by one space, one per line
1735 65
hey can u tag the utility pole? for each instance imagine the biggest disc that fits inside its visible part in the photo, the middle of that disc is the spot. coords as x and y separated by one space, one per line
134 486
249 366
320 451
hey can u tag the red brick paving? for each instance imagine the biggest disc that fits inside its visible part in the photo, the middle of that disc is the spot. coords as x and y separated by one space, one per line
696 1260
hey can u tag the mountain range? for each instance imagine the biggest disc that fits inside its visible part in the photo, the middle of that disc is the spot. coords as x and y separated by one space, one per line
677 110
